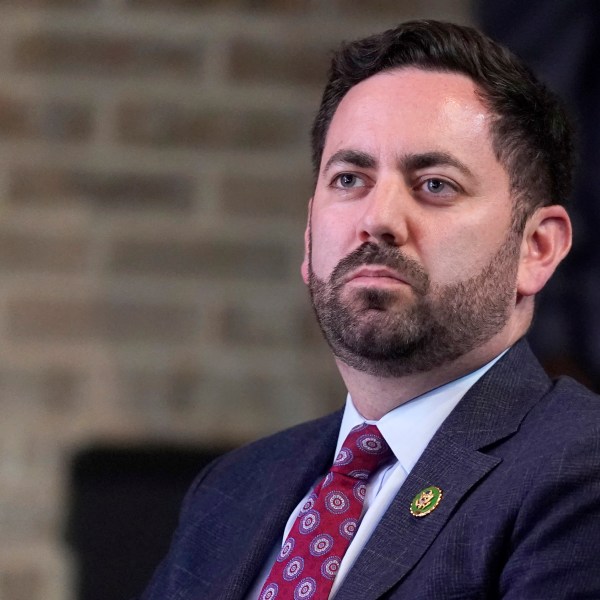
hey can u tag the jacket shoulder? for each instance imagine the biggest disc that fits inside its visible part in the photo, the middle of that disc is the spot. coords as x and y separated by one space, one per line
279 445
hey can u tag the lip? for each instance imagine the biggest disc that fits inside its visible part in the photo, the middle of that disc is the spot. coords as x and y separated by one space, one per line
375 275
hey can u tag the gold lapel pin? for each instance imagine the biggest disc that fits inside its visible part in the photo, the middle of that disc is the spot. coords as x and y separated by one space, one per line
425 501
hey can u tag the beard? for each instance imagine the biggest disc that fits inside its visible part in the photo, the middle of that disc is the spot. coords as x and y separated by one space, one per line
391 333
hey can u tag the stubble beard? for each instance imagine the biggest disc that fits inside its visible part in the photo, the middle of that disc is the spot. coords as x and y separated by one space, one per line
392 333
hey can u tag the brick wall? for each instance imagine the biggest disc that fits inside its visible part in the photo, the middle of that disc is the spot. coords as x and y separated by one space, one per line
154 174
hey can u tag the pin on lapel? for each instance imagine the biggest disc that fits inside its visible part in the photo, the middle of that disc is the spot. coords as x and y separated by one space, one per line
426 501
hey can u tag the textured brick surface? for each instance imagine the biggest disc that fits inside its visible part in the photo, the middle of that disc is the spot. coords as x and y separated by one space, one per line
267 196
47 119
108 190
154 179
38 251
22 584
393 10
282 63
169 124
106 55
13 116
276 6
101 319
34 572
264 260
30 4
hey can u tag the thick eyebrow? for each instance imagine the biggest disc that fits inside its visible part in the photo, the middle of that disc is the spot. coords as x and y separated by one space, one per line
414 162
357 158
407 163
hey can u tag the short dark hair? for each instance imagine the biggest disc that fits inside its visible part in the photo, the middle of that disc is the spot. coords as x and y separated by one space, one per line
531 132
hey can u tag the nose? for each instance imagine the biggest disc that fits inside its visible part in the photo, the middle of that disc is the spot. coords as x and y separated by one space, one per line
384 218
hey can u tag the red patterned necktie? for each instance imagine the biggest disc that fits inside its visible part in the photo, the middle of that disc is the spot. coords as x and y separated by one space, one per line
311 555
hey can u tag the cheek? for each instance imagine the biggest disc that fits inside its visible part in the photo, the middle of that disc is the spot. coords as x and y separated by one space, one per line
460 255
332 239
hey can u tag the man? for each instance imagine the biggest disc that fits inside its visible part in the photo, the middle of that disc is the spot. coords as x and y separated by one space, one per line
441 167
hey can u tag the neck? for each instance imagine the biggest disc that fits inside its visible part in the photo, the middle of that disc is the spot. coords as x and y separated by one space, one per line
375 396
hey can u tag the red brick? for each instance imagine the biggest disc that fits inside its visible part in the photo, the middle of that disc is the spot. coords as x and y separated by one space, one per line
102 190
168 124
26 251
397 11
267 195
259 324
254 390
265 260
278 6
55 392
177 4
21 118
174 391
14 119
192 396
50 3
106 55
123 320
61 391
59 120
98 318
23 583
183 389
271 62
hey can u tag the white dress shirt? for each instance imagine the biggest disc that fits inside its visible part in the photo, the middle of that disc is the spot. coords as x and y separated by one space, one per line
407 429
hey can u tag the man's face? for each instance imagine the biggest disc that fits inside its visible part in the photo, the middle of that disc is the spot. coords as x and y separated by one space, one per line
411 260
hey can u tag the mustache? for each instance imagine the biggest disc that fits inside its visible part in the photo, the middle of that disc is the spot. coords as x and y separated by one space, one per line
386 256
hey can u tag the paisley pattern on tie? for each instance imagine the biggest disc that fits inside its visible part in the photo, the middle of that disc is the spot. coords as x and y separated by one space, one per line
311 555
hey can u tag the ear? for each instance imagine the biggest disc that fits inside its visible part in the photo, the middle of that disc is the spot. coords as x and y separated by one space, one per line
304 265
546 241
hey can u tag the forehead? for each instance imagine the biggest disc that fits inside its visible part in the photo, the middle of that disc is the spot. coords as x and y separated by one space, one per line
410 109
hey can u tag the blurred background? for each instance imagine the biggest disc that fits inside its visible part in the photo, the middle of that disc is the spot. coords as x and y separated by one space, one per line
154 174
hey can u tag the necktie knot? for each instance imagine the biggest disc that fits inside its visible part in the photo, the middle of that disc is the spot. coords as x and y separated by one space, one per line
362 453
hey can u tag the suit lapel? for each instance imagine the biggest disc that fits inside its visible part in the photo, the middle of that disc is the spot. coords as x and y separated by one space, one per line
454 462
265 518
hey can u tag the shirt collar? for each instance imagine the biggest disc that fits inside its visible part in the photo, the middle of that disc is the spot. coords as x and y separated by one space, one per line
408 429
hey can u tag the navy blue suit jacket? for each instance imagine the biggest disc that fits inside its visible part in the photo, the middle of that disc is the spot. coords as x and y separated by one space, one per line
518 461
